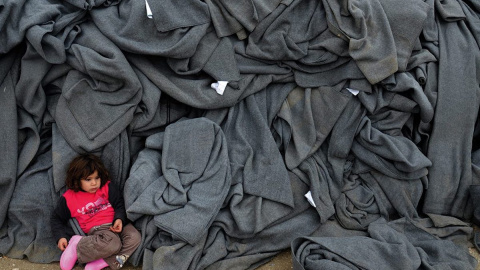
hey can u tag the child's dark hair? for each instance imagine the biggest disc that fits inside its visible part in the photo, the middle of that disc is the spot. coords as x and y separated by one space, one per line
81 167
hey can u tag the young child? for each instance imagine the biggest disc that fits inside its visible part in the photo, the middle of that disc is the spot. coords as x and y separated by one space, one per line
99 208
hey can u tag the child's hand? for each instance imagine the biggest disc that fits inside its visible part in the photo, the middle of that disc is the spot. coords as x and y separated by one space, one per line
117 226
62 244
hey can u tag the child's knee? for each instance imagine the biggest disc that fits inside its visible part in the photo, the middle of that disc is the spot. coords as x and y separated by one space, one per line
110 241
133 237
136 237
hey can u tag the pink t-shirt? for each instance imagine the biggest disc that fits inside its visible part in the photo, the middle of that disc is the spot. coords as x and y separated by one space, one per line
90 209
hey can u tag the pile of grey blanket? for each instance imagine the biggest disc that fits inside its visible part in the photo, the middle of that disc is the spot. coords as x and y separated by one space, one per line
343 130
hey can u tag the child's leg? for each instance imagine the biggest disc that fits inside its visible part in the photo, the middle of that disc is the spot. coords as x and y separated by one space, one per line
69 255
100 243
96 265
130 241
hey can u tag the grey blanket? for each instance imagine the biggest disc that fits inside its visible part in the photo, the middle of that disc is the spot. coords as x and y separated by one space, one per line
401 244
238 129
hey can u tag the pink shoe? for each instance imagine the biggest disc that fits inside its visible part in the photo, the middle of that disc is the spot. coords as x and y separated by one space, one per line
69 255
96 265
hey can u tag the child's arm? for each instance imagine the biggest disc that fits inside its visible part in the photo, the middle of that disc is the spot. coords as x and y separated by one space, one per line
116 200
117 226
59 223
62 244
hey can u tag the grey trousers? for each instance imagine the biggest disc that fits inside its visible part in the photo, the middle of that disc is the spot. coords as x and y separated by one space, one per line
103 243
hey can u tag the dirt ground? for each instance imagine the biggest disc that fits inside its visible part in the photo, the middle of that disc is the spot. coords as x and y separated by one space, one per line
474 252
282 261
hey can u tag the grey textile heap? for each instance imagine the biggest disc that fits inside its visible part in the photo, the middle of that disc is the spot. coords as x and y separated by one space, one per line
346 131
400 244
189 181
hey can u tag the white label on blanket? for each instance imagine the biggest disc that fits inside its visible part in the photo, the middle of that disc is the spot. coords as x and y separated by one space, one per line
353 91
310 198
219 86
149 11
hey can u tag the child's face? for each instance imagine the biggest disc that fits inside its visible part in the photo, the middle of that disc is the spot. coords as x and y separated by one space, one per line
91 183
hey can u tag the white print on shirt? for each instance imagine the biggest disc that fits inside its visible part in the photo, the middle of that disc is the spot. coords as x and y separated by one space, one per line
93 208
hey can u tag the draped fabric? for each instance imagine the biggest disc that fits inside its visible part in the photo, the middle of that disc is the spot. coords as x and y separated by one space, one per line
238 129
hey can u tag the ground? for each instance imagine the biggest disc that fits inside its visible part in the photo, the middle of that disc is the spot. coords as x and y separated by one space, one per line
282 261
